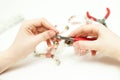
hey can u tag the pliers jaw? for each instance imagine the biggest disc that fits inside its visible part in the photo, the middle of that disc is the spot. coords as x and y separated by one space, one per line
102 21
68 40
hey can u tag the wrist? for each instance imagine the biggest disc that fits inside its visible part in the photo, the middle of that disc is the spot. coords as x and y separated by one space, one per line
7 59
13 53
9 55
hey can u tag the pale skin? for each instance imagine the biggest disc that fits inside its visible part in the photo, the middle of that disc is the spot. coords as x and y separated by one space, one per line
31 33
106 43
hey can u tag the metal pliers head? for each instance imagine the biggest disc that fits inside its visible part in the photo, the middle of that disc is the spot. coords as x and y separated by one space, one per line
68 40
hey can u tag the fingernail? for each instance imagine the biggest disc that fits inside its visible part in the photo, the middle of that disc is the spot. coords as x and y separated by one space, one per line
76 44
83 52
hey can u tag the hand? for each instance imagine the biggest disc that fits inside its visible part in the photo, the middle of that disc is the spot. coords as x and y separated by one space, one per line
31 33
106 41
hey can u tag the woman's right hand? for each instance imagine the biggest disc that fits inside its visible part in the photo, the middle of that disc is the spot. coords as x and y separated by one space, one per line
106 41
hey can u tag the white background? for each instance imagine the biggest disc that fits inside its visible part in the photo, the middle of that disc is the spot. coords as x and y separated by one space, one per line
57 12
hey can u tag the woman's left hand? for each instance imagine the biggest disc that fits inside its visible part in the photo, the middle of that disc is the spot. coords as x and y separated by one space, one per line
31 33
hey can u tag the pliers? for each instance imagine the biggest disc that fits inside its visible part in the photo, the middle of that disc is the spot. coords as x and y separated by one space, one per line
102 21
71 40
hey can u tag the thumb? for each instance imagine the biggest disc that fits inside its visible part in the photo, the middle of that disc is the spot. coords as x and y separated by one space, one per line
45 35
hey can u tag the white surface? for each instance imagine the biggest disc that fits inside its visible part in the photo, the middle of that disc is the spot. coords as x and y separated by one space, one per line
72 67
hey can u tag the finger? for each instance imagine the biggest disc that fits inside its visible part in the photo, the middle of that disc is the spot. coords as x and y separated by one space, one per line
45 36
86 30
86 45
48 42
46 24
38 23
79 51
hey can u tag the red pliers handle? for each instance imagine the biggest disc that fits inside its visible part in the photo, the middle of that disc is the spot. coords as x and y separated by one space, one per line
72 40
102 21
82 38
95 19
